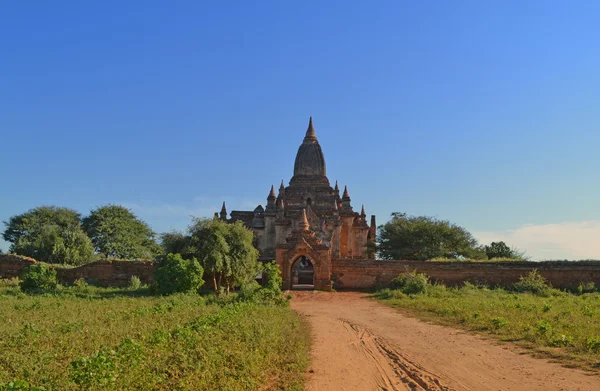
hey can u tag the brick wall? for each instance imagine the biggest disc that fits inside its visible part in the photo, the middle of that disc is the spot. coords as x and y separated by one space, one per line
347 274
104 273
366 274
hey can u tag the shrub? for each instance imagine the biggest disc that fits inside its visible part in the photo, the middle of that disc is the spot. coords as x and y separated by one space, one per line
38 278
499 322
586 287
270 292
135 283
411 283
176 274
534 283
19 385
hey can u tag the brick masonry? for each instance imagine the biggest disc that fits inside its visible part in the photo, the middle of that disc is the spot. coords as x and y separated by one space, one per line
366 274
103 273
346 274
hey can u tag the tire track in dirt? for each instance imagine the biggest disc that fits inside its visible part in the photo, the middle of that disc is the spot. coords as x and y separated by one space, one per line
362 345
385 356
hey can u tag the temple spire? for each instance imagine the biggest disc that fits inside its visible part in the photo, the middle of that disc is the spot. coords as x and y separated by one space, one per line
303 223
282 186
362 212
346 195
223 213
311 135
272 192
336 188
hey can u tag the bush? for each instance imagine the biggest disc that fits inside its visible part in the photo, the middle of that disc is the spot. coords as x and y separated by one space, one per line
270 292
135 283
38 278
176 274
411 283
586 287
534 283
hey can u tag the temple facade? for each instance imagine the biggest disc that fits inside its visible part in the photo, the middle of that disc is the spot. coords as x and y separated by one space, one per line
307 225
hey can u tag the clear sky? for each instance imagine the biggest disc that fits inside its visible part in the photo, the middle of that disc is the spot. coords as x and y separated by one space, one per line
485 113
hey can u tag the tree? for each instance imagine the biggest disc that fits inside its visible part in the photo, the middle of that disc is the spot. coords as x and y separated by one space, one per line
501 250
116 232
176 274
224 250
421 238
49 234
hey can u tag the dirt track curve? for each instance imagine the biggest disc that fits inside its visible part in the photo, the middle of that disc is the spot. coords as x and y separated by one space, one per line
360 344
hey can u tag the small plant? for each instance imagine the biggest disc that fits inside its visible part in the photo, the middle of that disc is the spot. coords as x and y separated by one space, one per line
544 327
586 287
176 274
134 283
534 283
38 278
593 344
19 385
411 283
95 370
499 322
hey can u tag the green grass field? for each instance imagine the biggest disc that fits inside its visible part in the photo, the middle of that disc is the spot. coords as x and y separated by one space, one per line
87 338
563 326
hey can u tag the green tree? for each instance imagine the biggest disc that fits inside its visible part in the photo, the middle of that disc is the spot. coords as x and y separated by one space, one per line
243 256
501 250
176 274
49 234
421 238
38 278
117 233
175 242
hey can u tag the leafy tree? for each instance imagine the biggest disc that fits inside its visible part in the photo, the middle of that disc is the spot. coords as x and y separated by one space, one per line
38 278
224 250
116 232
501 250
176 274
49 234
421 238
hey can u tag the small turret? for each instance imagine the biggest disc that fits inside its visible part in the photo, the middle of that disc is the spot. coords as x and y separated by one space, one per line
216 216
346 199
363 215
281 189
271 200
223 213
303 223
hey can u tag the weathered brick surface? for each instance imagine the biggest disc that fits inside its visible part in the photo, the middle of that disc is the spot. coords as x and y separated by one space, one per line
104 273
347 274
364 274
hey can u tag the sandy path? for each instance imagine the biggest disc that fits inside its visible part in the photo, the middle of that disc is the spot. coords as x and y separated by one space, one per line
362 345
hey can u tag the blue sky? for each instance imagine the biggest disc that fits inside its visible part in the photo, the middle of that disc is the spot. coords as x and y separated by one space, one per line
483 113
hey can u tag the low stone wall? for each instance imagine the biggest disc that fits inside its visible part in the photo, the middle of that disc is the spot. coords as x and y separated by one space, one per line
346 274
367 274
103 273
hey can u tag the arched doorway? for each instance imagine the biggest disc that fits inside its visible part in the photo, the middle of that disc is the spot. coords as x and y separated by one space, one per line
303 273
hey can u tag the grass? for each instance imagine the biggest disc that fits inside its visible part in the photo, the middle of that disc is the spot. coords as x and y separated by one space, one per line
90 338
563 326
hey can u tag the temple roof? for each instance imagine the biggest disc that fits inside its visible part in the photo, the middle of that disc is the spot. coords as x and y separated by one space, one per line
309 159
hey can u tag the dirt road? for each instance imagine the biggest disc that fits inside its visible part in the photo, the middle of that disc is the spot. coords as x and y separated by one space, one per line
360 344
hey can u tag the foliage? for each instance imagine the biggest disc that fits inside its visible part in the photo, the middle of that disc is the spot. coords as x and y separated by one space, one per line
561 324
421 238
410 282
224 250
176 274
117 339
19 385
501 250
135 283
462 259
586 287
38 278
534 283
117 233
270 292
176 243
49 234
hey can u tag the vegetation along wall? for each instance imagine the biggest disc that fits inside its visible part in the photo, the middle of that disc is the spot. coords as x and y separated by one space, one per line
348 274
365 274
103 273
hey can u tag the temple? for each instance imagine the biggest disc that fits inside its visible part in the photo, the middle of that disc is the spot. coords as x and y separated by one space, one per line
308 225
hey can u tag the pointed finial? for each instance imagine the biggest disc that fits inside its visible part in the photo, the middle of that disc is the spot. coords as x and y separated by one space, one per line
346 195
311 135
272 192
223 213
303 223
282 186
337 188
362 211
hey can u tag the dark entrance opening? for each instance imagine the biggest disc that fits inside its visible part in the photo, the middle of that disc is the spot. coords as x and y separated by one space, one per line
303 273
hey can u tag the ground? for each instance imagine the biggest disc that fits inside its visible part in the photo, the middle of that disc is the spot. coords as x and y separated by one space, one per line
360 344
